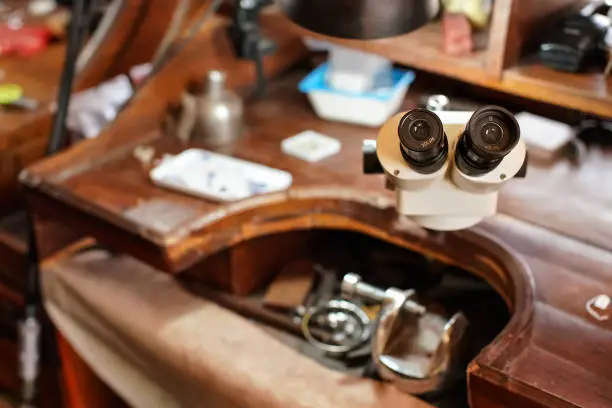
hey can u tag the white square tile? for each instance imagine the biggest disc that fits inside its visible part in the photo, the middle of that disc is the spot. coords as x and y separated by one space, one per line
311 146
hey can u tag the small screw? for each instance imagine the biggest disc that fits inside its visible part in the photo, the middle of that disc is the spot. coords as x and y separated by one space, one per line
502 176
395 172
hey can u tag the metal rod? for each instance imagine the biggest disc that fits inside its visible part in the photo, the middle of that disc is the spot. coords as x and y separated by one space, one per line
30 328
58 132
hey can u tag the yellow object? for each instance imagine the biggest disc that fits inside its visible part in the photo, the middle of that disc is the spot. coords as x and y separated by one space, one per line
10 93
477 11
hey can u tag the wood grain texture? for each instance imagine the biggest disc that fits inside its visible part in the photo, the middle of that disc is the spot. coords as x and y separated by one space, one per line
131 39
545 277
585 92
533 361
174 244
23 133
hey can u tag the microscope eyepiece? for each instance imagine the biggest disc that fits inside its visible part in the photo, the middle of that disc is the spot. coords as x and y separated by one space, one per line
422 141
491 133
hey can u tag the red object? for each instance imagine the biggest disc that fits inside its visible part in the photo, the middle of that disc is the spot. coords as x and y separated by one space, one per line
26 40
457 34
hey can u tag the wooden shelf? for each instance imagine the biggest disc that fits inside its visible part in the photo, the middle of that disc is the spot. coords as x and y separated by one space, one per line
588 92
421 49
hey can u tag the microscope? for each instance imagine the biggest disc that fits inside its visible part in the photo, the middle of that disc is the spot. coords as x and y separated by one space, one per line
447 176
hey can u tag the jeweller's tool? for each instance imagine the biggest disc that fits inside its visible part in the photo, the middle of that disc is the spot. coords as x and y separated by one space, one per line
353 288
434 352
345 325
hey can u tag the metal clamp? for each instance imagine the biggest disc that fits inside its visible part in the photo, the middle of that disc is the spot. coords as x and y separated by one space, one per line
352 287
396 370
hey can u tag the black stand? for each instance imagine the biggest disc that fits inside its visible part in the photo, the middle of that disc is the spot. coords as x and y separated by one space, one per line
33 313
247 40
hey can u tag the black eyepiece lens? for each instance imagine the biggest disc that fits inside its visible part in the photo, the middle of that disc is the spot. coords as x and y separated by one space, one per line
490 135
422 141
419 129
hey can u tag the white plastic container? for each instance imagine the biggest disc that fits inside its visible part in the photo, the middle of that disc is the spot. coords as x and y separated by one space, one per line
356 71
370 108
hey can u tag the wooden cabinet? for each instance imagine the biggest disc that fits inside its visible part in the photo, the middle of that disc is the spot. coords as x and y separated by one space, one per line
504 63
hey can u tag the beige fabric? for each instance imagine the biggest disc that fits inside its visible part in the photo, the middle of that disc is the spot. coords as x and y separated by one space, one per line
159 346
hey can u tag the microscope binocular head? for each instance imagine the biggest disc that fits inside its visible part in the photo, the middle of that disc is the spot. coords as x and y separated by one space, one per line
447 175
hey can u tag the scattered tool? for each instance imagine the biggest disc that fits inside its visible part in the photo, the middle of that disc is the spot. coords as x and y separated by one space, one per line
417 349
345 324
353 288
11 95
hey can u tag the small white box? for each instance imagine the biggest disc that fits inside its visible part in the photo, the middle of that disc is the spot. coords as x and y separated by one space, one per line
311 146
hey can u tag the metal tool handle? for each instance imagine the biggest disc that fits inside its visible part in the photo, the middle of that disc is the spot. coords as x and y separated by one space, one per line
353 287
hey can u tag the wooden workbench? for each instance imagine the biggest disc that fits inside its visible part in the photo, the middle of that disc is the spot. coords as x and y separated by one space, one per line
552 352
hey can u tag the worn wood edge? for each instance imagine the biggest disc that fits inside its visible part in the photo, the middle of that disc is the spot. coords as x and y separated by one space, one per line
100 57
521 393
496 263
202 237
495 260
138 246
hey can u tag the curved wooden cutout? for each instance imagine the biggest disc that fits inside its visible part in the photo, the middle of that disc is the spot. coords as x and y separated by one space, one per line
473 250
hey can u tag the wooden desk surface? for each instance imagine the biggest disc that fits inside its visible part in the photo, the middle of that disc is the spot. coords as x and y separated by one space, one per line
115 186
39 77
552 353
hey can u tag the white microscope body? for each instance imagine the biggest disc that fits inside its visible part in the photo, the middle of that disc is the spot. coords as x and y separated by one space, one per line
447 176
